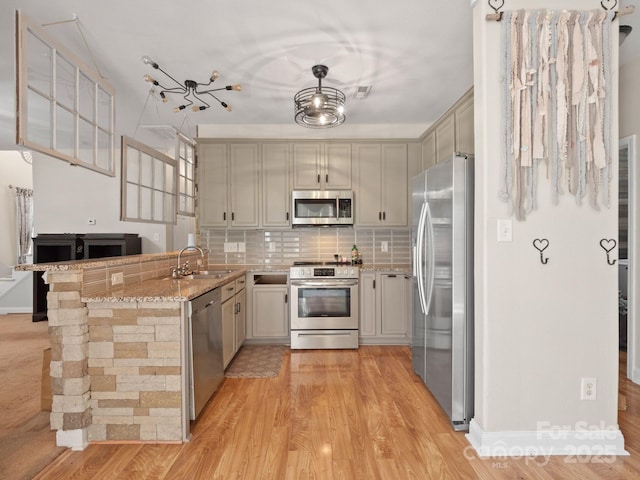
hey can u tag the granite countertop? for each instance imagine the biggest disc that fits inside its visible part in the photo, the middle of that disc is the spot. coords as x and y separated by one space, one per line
163 289
95 262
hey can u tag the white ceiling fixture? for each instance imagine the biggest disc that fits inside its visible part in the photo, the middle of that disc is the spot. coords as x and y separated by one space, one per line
319 107
362 92
189 89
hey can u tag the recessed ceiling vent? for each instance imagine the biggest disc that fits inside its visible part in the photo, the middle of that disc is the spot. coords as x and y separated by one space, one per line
362 92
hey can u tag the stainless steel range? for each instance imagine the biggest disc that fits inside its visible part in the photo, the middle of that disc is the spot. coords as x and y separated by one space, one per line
324 306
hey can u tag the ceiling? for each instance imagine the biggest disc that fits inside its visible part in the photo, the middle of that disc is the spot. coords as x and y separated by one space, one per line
415 54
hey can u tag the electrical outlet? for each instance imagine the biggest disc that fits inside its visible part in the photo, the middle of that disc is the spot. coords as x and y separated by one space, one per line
117 278
241 247
588 388
384 246
230 247
505 230
156 237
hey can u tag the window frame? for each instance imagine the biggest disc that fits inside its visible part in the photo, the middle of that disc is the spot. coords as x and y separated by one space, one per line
168 217
189 183
102 133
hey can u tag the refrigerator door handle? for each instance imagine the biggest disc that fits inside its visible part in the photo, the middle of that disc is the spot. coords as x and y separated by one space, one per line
419 257
432 259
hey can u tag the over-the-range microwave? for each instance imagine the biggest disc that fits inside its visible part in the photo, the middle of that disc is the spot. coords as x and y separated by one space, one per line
322 208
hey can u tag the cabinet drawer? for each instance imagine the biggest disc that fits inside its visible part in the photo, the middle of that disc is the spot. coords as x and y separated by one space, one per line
240 283
228 291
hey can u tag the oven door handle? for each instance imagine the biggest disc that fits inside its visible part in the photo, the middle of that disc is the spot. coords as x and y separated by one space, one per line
327 283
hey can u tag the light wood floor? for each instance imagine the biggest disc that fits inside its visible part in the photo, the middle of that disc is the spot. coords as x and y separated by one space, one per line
334 415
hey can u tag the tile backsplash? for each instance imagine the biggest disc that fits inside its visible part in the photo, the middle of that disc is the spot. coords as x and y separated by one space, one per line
278 247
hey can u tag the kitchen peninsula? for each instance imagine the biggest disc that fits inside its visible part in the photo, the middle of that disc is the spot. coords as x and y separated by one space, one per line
118 329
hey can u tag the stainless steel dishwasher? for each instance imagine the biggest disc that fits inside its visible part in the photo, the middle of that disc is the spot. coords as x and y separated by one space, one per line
205 346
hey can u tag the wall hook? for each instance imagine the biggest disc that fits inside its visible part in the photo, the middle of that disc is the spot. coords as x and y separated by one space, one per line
541 245
607 245
609 4
496 5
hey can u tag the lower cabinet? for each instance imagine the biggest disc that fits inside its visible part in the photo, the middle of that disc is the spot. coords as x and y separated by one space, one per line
385 308
268 310
233 298
240 318
270 315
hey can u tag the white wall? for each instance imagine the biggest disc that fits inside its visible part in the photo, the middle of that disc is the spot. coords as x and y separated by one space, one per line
66 197
539 328
13 171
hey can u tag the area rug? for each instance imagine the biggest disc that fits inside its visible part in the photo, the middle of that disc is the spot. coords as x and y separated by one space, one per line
256 361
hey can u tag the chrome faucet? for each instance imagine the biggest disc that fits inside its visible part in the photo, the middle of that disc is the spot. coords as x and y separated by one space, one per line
181 270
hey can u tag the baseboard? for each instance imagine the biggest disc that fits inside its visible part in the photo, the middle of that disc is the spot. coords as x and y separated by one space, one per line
571 443
8 310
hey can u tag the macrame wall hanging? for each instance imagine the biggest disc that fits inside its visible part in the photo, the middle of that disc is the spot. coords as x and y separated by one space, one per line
556 105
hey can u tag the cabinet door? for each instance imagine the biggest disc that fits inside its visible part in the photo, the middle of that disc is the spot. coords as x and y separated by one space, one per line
394 317
276 189
368 180
367 305
212 185
337 170
270 313
429 150
241 318
445 138
228 331
244 175
464 126
395 198
306 166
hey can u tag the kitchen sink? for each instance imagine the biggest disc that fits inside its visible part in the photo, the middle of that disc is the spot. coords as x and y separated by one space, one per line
207 275
213 272
204 275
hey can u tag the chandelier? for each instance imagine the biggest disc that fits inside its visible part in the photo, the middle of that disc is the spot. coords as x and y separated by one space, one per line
319 107
190 90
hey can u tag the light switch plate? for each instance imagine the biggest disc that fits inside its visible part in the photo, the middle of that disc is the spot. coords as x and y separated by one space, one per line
505 230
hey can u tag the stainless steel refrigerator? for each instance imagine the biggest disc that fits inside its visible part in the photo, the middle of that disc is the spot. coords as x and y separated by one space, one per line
442 328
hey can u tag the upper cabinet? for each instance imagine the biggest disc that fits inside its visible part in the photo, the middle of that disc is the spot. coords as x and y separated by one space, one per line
445 138
229 186
453 132
321 166
212 184
276 184
464 125
380 172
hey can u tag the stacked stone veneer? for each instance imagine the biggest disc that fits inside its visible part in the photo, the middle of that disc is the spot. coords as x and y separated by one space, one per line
69 336
134 366
115 366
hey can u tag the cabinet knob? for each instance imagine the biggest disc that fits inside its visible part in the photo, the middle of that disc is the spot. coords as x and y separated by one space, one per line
318 178
326 178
